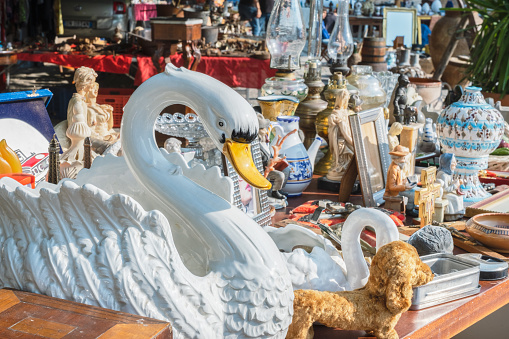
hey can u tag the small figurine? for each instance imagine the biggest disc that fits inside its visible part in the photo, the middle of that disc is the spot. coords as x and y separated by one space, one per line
172 145
275 167
355 103
53 175
357 8
400 98
396 181
340 137
453 95
77 113
426 196
451 187
368 8
396 129
410 115
87 158
429 141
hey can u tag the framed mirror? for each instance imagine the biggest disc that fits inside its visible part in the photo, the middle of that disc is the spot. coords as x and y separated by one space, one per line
371 154
400 22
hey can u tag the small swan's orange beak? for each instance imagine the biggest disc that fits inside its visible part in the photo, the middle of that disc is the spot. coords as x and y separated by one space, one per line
239 155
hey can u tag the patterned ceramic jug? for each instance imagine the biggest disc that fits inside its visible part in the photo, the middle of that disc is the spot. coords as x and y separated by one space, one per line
301 161
470 129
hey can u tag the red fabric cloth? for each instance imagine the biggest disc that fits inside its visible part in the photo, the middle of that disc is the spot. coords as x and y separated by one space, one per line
143 12
100 63
234 72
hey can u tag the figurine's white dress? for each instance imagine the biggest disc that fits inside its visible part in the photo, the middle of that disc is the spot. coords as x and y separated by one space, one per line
455 206
340 138
78 129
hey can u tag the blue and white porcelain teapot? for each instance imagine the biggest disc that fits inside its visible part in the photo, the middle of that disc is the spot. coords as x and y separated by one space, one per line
301 161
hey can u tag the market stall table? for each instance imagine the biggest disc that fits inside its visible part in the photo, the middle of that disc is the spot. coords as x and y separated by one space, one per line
442 321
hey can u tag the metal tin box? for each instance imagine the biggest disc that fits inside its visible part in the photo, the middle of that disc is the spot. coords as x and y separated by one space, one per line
455 278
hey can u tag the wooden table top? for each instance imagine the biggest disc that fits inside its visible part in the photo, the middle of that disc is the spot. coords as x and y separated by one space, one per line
441 321
27 315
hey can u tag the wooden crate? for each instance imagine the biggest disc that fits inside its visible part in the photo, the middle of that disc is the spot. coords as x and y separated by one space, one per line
29 315
171 29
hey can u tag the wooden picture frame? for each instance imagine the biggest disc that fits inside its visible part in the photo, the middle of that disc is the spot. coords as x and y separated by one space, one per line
497 203
371 154
400 22
259 210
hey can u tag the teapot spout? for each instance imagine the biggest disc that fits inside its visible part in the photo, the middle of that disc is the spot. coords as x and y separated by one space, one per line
313 150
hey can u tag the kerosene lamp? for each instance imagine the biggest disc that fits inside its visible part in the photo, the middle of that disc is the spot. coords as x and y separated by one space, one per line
341 46
339 49
286 38
309 107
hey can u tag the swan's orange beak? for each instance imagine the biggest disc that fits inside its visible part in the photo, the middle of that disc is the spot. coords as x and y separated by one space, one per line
239 155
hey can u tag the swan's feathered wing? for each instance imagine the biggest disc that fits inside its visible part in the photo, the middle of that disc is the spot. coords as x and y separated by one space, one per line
82 244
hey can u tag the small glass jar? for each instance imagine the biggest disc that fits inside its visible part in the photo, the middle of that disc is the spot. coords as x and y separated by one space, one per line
370 90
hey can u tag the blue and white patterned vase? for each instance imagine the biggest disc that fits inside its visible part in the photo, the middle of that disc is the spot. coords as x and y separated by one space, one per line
470 129
300 164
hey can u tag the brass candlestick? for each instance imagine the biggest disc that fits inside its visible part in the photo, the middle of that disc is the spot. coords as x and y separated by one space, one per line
309 107
336 83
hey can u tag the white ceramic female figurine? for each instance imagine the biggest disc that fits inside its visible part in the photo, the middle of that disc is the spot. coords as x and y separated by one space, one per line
340 137
78 128
396 129
451 187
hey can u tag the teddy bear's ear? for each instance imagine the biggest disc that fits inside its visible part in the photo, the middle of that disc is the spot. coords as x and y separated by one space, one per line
398 293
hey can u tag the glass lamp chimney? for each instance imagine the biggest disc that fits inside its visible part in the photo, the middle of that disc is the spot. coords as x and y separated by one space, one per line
341 45
286 35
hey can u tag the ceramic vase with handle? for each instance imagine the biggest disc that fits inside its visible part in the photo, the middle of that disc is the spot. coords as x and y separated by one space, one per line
470 129
300 160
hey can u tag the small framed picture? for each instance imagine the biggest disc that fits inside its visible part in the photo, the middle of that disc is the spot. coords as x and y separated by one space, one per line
371 154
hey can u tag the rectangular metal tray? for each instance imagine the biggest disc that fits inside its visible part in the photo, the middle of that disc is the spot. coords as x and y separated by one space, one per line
455 278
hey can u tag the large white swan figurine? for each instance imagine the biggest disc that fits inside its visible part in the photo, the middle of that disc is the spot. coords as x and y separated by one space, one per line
324 269
196 261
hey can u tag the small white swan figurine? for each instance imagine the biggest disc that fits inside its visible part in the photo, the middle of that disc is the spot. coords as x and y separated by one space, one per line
324 269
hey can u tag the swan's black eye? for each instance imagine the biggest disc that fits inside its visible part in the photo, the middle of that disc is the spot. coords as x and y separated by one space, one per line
221 123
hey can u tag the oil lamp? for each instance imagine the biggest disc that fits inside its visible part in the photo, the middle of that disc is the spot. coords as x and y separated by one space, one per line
341 46
309 108
286 37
